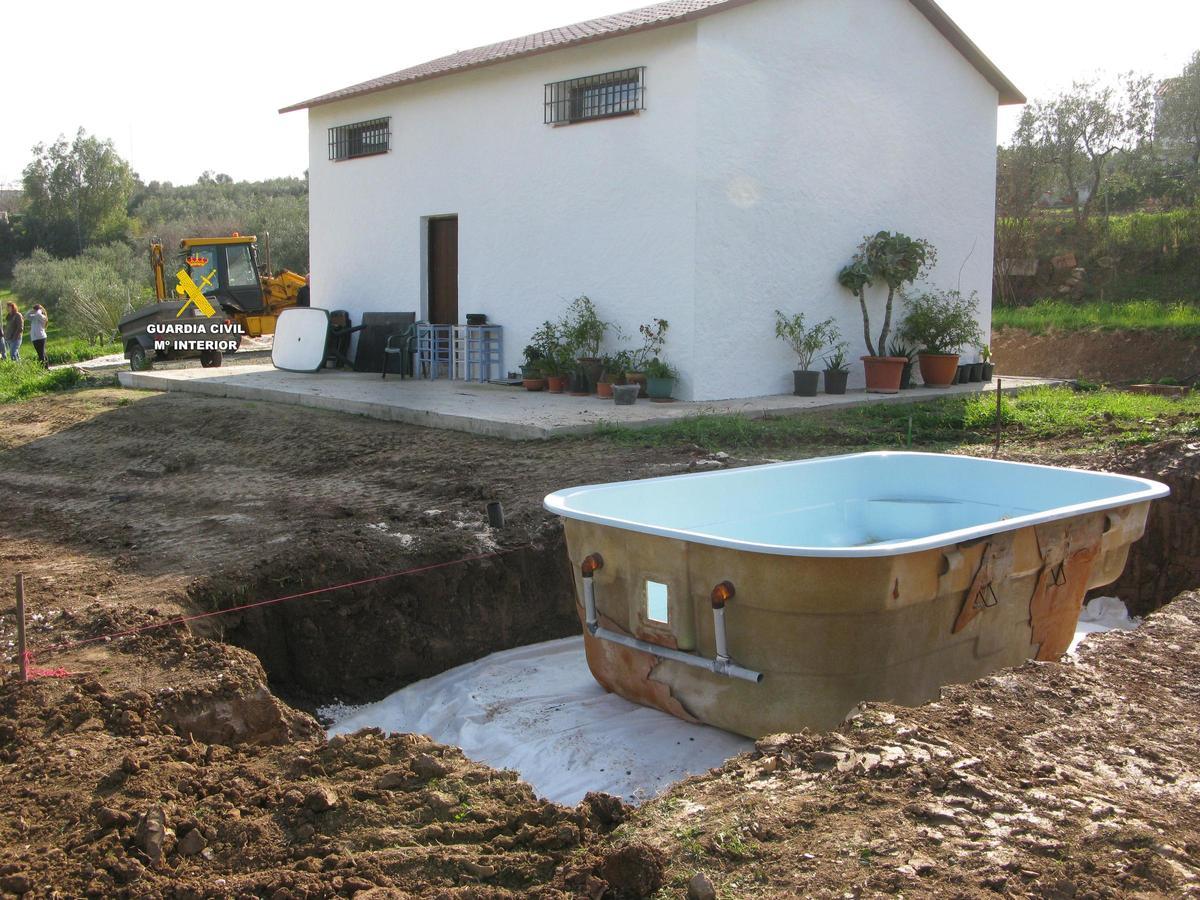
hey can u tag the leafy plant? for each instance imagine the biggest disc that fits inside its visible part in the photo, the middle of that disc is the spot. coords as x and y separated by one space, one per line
943 321
557 356
836 361
654 338
900 348
985 353
805 342
582 328
658 368
893 259
613 367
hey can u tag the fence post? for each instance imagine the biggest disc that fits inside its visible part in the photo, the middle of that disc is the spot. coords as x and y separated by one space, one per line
999 413
22 657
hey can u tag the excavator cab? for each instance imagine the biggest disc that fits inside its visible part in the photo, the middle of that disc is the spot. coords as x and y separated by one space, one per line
226 271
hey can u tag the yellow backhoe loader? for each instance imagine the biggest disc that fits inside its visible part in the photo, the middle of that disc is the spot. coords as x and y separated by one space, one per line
227 271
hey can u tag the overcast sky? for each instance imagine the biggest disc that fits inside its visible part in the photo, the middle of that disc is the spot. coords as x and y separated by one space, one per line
181 88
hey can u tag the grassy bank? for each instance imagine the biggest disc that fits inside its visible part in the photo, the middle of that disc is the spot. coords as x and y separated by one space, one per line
1133 315
1084 420
60 348
27 378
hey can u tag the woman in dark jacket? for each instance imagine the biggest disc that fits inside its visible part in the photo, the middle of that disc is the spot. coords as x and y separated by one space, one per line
14 328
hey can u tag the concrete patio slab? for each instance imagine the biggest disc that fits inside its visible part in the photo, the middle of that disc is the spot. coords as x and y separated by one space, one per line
494 410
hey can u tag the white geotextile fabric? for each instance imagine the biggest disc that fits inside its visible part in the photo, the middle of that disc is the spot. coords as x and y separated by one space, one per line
537 710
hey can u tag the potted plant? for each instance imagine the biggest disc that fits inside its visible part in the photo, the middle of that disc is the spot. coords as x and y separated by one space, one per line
940 323
654 337
895 260
577 381
660 379
837 372
557 358
531 370
805 343
583 330
989 368
899 348
604 384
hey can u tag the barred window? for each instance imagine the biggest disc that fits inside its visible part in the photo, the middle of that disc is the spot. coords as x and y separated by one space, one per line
360 139
615 93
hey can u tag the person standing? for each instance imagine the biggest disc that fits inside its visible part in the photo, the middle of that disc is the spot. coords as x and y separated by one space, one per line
37 331
14 328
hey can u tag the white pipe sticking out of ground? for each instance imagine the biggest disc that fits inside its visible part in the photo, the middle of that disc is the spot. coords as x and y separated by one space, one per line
537 710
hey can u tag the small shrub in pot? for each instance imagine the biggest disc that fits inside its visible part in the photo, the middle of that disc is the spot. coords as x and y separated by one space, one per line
660 379
654 337
989 368
805 343
837 372
941 323
901 350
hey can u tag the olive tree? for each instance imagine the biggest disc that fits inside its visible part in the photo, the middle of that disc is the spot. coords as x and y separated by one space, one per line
1081 129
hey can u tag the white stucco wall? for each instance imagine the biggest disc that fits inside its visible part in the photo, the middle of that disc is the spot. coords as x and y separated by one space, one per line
823 121
776 135
603 208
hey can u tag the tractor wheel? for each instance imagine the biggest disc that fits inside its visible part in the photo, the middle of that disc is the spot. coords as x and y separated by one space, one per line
138 360
210 359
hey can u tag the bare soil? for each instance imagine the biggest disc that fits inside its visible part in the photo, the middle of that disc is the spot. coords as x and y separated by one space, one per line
166 764
1116 357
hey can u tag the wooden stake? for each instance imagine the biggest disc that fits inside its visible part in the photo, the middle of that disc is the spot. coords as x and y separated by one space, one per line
999 413
21 649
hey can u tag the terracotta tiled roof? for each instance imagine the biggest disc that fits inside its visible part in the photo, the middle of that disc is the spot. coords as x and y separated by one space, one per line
668 13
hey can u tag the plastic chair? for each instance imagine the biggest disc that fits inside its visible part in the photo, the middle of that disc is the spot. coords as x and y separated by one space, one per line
402 344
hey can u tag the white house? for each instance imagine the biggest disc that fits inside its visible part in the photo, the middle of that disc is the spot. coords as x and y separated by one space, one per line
702 161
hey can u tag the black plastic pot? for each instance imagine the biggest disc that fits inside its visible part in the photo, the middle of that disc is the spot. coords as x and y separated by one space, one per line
806 383
835 381
906 377
989 371
476 319
977 371
577 383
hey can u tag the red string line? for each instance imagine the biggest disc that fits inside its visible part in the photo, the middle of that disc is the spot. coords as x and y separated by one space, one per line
221 612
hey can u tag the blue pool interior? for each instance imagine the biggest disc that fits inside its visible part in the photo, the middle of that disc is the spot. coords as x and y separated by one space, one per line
865 504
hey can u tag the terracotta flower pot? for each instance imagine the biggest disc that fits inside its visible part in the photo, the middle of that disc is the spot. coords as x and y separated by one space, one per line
938 369
883 373
604 389
556 384
533 384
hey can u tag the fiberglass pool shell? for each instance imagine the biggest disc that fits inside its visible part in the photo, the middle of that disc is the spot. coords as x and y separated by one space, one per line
873 576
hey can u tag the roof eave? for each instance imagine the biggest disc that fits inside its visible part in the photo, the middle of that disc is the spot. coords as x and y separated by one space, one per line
1010 95
350 92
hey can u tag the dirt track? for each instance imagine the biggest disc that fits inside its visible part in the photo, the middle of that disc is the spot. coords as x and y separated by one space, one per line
1052 780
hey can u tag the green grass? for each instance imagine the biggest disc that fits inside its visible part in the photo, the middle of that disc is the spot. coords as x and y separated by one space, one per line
1090 418
60 349
1132 315
27 378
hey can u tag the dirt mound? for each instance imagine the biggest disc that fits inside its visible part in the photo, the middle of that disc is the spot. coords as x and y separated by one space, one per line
1166 560
1050 780
1102 356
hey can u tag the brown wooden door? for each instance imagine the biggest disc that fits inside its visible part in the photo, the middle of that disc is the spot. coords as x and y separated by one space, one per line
443 270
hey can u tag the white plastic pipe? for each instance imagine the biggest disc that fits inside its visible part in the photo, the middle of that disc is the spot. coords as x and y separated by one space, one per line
722 665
